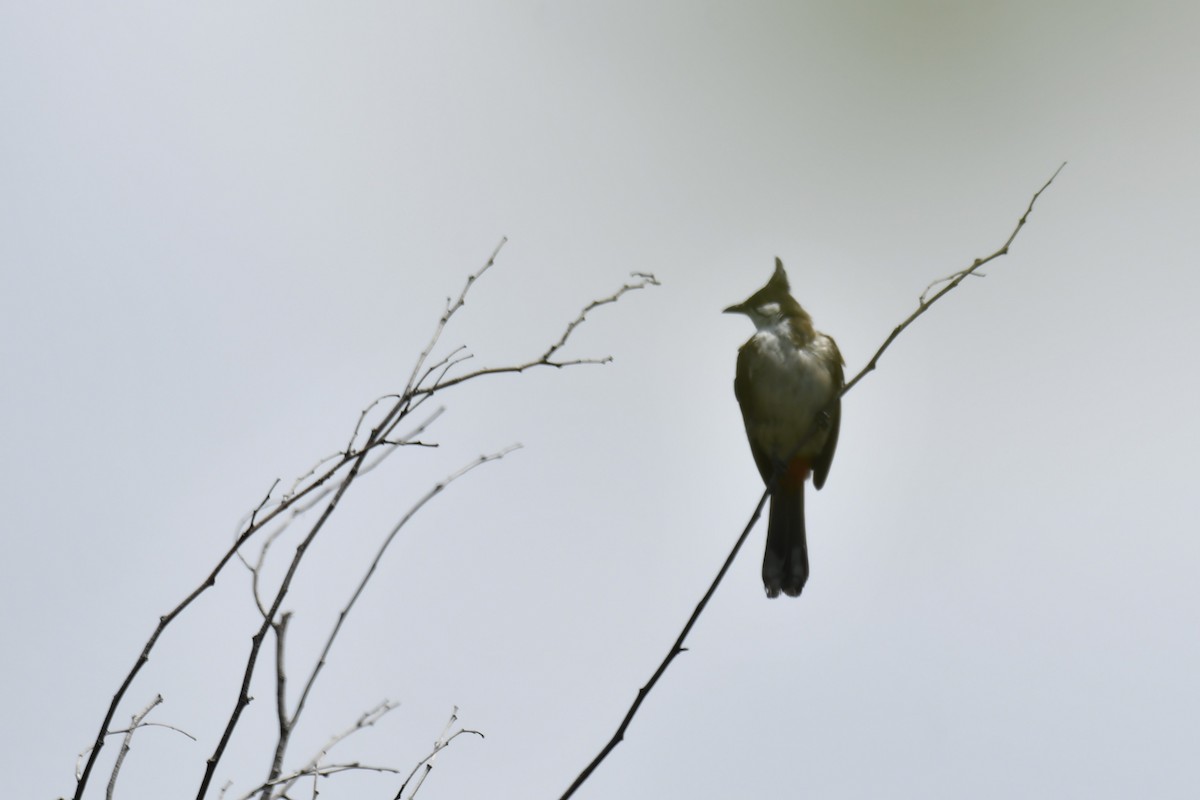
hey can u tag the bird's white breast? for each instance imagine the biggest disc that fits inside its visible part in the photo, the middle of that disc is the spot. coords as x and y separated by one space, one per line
789 386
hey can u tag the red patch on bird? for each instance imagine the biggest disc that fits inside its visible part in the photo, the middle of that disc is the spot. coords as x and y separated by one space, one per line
797 473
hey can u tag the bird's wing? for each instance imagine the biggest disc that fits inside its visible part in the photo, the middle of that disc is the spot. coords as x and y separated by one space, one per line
741 390
825 458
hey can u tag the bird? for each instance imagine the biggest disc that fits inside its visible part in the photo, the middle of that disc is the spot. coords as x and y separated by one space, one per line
788 384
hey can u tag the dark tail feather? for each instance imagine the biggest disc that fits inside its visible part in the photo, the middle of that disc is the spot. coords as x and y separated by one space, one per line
785 564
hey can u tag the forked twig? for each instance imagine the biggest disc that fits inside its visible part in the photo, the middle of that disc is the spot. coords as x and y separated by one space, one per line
451 308
443 741
127 731
138 721
315 767
645 279
951 282
386 448
677 648
320 771
546 360
126 742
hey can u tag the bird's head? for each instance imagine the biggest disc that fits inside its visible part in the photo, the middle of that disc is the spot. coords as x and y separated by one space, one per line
772 304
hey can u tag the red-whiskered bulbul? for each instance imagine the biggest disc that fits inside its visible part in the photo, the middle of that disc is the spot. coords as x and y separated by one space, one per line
788 376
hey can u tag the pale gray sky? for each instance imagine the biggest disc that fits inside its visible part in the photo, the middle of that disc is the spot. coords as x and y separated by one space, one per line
228 226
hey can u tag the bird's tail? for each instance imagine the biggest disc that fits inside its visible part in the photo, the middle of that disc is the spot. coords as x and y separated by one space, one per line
785 564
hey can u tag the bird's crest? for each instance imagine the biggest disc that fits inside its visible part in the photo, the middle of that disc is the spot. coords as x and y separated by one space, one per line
779 278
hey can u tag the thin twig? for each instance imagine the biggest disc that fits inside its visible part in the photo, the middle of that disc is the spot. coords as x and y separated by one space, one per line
451 308
134 724
366 720
362 584
362 416
282 721
546 359
451 360
443 741
951 282
647 279
315 767
678 647
387 447
121 731
323 771
263 502
285 782
287 722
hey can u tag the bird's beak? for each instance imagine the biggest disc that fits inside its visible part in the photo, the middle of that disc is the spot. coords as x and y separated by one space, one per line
740 308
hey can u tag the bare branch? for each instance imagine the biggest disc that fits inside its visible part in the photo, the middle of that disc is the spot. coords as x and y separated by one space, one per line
118 731
951 282
646 280
322 771
677 648
443 741
263 502
547 358
314 767
362 584
157 725
451 308
134 724
286 723
362 416
366 720
283 723
387 447
444 366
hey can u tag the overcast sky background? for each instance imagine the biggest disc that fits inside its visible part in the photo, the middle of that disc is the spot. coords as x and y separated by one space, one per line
229 226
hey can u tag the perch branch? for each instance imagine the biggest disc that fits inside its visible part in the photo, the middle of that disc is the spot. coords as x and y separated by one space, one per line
951 282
